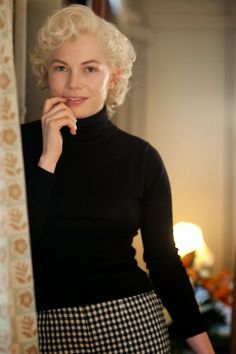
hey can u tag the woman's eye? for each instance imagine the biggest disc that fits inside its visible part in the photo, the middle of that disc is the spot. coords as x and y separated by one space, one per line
90 69
60 68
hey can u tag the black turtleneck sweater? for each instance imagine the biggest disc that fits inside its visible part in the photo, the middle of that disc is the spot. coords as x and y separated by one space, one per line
107 185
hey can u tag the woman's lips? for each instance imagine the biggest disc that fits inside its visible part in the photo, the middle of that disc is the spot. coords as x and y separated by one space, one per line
71 101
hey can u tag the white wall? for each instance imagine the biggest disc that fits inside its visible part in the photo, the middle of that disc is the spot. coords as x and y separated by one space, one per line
185 121
190 111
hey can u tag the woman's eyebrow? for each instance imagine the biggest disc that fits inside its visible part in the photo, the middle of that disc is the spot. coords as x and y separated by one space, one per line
58 61
83 63
91 61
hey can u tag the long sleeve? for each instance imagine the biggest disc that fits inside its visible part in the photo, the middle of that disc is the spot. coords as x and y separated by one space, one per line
39 182
160 254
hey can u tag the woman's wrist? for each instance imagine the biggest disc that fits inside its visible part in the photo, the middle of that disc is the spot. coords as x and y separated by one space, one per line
47 163
200 344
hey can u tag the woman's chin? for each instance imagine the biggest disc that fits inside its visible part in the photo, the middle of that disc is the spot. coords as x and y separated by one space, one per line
81 112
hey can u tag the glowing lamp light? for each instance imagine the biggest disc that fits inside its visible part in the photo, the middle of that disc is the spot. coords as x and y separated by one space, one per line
188 237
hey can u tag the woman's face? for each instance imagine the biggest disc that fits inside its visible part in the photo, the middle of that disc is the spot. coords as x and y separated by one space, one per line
79 72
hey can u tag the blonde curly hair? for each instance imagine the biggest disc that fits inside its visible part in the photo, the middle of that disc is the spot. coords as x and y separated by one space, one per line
66 25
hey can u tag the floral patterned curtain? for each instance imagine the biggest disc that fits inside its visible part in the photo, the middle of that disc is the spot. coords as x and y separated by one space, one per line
17 307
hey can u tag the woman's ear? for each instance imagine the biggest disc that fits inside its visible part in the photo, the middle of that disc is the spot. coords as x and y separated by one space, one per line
114 78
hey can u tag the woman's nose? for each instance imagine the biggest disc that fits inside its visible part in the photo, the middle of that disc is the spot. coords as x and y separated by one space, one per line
75 80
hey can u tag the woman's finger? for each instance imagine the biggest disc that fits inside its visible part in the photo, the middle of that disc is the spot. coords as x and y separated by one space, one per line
62 112
51 102
60 122
57 107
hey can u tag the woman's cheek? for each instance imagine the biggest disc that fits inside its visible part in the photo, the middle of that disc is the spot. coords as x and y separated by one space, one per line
55 86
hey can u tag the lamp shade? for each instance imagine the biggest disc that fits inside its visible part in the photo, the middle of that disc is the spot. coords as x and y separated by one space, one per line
188 237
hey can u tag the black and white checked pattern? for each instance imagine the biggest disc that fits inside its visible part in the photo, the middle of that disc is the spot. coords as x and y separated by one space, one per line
133 325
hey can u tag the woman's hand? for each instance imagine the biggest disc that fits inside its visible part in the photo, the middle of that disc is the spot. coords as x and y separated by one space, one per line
55 116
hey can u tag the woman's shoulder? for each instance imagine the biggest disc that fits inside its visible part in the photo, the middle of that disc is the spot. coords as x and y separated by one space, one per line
131 139
138 143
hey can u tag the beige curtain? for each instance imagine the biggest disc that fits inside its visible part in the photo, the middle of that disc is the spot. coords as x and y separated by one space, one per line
17 307
20 53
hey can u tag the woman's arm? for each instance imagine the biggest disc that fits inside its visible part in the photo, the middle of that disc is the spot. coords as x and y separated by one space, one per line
39 182
42 147
200 344
166 270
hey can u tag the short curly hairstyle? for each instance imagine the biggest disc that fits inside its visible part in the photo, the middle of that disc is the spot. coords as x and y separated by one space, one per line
67 24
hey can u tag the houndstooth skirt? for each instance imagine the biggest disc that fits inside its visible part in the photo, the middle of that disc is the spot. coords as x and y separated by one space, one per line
133 325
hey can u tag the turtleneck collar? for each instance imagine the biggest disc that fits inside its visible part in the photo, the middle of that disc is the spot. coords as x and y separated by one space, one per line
95 128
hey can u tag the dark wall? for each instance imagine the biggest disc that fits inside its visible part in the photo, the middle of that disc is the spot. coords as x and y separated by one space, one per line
68 2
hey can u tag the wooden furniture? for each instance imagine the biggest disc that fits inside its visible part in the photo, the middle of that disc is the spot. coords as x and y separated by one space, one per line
100 7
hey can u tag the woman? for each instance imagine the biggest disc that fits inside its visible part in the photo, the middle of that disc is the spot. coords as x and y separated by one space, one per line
90 188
